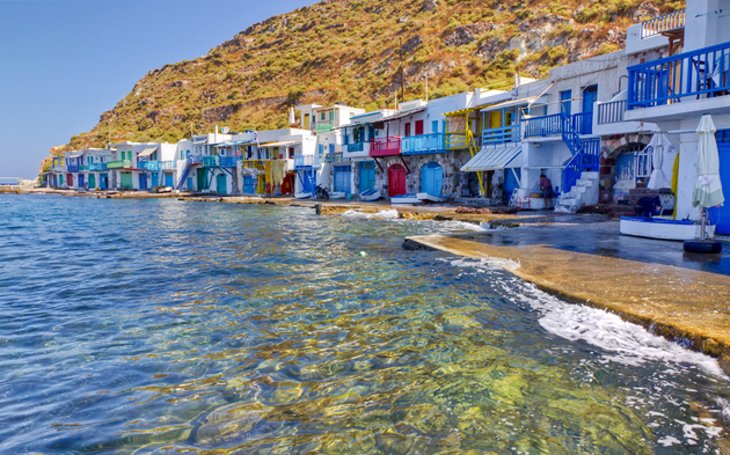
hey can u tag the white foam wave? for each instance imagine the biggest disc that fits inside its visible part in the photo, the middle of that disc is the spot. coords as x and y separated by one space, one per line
623 342
390 214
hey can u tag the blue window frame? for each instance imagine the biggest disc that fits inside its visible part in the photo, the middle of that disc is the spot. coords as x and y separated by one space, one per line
435 126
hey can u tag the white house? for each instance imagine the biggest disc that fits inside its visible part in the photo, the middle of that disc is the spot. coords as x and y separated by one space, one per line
673 92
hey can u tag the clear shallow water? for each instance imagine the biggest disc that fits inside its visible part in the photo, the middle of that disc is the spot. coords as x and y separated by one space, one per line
158 326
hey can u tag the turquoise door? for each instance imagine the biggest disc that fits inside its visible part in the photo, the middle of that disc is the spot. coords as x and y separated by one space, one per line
155 179
189 184
723 213
432 178
343 177
92 181
249 184
221 184
367 176
168 180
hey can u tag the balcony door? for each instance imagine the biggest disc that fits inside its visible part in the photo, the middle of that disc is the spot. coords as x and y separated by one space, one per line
590 96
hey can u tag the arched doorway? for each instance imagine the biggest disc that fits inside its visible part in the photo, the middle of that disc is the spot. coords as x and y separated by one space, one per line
396 180
432 178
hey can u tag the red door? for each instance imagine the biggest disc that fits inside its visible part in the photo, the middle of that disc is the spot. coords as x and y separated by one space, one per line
396 180
419 127
287 185
69 180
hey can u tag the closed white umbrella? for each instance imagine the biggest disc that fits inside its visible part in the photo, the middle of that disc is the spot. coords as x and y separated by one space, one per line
659 147
708 189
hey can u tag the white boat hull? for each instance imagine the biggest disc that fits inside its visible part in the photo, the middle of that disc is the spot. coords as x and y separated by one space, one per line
369 196
405 199
302 195
658 228
430 197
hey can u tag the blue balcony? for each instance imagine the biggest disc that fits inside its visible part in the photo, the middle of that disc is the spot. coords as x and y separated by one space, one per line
152 166
424 144
95 167
688 76
611 112
557 124
72 168
168 165
227 161
355 147
501 135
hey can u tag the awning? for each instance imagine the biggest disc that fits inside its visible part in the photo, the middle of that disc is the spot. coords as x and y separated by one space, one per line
73 155
147 152
511 103
403 114
279 144
491 158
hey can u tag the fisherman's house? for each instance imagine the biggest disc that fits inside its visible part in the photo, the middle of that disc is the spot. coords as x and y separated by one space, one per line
95 168
198 167
267 161
690 79
326 164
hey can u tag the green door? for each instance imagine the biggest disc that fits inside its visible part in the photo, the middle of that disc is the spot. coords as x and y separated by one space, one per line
92 181
221 184
202 181
127 181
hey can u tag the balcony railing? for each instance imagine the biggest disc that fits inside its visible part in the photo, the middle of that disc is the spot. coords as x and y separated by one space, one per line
119 164
611 112
83 168
423 144
210 161
501 135
228 161
195 159
547 125
303 160
456 141
95 167
152 166
324 127
72 168
388 146
665 23
582 123
355 147
168 165
333 157
699 74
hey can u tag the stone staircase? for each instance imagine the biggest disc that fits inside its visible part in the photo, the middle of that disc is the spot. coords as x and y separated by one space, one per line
584 192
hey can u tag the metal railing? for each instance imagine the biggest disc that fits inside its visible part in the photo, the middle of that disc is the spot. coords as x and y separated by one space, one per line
209 161
424 144
387 146
501 135
333 157
546 125
97 167
324 127
611 112
703 73
355 147
582 123
586 160
152 166
119 164
303 160
168 165
228 161
72 168
665 23
456 141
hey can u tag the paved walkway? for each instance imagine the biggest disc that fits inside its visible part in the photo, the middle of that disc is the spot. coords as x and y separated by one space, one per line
677 302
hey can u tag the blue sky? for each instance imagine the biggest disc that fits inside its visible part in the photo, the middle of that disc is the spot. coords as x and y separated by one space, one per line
64 62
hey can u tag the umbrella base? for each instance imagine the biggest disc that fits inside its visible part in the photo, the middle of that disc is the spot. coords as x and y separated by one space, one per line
703 246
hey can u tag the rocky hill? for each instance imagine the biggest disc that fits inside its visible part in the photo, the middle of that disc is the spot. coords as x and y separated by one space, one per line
350 51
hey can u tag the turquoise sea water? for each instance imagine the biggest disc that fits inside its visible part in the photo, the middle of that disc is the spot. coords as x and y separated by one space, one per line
160 326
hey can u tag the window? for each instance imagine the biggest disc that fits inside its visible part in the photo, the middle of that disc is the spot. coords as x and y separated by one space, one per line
408 129
435 126
565 102
322 116
332 149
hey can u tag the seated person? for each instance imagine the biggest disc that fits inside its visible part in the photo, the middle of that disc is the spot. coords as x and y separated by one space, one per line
650 206
546 189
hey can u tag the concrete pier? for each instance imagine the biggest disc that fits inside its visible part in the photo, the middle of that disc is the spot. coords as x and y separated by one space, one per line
675 302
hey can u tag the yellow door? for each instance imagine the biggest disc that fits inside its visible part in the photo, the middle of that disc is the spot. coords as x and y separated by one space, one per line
496 119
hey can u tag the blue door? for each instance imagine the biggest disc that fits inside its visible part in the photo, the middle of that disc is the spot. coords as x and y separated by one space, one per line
511 181
249 184
590 96
432 178
221 184
343 177
306 180
81 180
155 179
189 184
103 181
142 182
723 213
168 180
367 176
